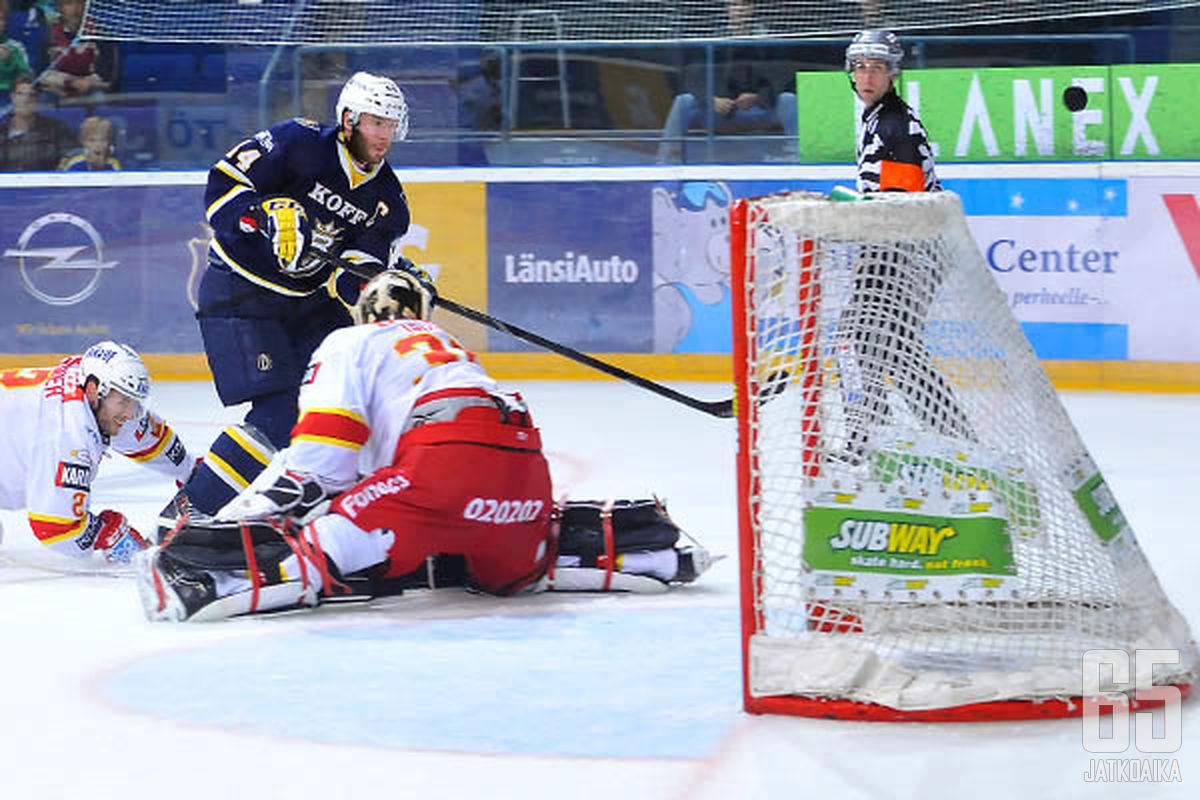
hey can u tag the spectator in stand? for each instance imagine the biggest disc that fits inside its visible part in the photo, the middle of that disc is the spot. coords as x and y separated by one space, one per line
745 99
96 133
28 140
77 68
13 59
479 94
29 23
479 108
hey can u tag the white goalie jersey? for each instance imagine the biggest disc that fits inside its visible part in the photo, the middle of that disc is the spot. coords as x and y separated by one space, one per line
358 395
53 446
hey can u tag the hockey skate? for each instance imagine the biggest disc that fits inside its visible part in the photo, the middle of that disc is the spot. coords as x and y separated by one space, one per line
174 590
171 590
694 561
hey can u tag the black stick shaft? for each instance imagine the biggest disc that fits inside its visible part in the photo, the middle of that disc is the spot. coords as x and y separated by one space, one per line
717 408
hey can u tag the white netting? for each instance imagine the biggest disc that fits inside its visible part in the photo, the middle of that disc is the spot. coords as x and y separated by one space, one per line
381 22
929 529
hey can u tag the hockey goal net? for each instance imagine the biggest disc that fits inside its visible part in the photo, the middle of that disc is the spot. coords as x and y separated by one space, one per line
923 534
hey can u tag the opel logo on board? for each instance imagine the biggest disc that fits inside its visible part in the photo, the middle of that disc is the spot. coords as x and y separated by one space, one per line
58 259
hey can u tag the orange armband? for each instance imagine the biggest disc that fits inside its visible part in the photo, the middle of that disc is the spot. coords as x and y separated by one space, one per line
894 175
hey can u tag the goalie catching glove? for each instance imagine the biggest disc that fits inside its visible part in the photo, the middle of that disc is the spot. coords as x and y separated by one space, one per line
284 222
113 537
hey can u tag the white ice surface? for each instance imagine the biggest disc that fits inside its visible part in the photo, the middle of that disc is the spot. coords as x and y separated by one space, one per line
444 694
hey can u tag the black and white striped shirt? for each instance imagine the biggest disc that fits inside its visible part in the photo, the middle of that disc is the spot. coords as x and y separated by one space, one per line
894 151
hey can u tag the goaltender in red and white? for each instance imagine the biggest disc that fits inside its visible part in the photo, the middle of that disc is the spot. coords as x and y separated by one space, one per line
61 421
405 448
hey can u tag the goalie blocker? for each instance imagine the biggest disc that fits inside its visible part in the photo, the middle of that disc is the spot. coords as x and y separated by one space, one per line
208 570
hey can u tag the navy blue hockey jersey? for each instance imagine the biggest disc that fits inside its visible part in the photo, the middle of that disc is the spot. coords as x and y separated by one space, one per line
348 209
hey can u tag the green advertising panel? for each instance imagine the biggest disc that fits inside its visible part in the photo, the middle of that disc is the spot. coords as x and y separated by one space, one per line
898 543
1011 114
825 108
1097 503
1154 111
1134 112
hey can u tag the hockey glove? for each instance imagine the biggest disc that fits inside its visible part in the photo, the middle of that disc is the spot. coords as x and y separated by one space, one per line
285 224
402 264
292 494
114 538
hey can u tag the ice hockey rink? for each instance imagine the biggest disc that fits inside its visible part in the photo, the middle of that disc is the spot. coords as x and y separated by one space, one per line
450 695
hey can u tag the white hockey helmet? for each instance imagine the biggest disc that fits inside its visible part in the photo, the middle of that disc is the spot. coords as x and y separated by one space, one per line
880 45
373 94
116 366
387 295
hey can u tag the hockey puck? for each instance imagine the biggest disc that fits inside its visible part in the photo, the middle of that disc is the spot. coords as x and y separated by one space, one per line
1074 98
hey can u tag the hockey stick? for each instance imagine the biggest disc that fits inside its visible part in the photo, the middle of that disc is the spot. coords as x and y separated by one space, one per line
717 408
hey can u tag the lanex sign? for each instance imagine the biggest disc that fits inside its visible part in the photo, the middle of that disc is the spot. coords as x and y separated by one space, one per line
1134 111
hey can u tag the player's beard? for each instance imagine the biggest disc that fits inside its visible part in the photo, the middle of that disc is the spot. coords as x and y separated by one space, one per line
360 153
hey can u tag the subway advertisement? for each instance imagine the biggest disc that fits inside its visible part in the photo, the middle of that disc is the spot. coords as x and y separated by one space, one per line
1097 267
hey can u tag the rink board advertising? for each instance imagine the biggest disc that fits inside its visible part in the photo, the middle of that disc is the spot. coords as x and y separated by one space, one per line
1094 268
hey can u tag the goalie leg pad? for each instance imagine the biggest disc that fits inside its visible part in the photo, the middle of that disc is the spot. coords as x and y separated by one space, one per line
172 590
640 555
622 545
212 545
215 570
637 525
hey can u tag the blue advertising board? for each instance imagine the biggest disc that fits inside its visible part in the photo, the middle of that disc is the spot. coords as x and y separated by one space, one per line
105 262
1097 265
571 261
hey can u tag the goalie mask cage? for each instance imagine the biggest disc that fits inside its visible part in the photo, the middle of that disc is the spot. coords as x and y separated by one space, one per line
923 535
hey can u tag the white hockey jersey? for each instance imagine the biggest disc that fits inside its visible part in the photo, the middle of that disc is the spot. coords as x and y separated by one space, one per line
52 448
359 391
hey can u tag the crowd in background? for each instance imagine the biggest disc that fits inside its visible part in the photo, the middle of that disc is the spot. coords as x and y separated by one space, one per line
57 93
42 63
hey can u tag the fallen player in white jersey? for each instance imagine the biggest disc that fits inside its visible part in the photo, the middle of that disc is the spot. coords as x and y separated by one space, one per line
60 422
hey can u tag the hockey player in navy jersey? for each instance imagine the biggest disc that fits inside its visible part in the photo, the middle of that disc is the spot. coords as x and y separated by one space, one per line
266 300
